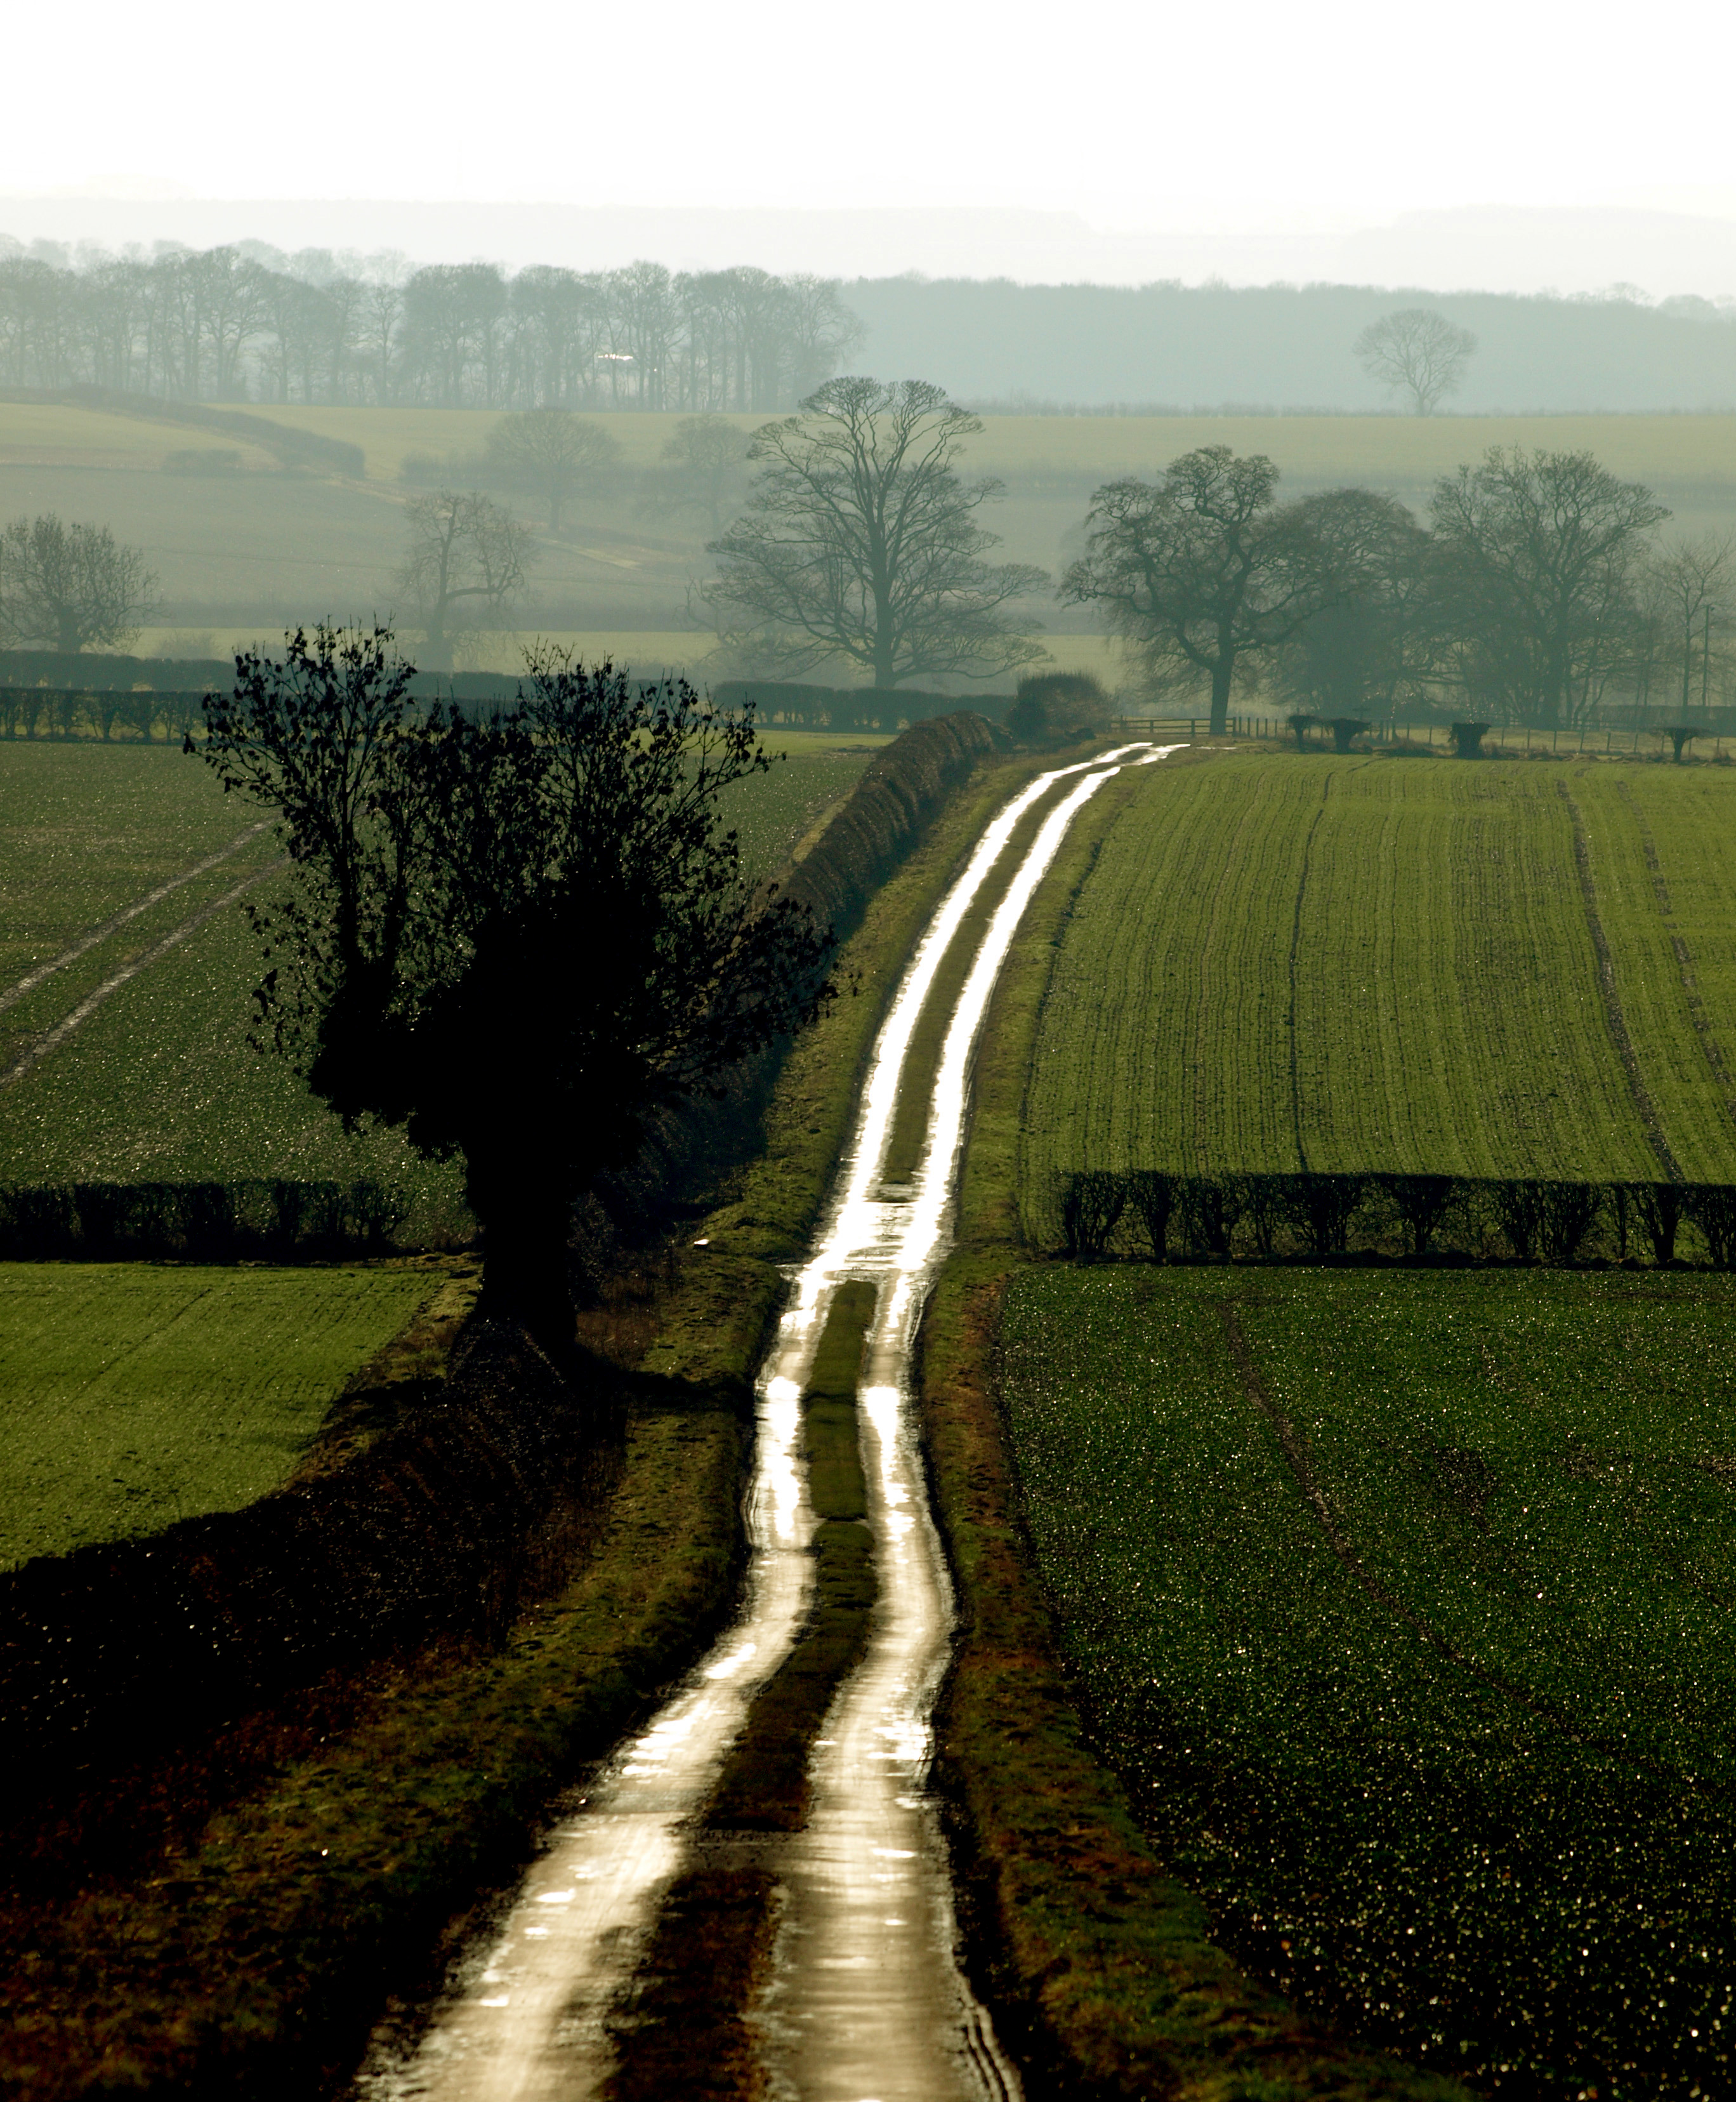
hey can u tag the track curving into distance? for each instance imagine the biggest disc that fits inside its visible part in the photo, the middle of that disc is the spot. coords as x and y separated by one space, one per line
866 1998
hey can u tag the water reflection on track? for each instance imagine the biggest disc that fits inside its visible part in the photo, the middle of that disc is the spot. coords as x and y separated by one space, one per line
866 1999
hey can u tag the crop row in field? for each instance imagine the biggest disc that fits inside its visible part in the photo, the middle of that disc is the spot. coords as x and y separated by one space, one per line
1284 963
1402 1604
132 1395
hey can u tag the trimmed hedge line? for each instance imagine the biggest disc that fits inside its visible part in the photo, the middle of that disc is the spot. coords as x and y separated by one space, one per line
1094 1212
243 1221
848 707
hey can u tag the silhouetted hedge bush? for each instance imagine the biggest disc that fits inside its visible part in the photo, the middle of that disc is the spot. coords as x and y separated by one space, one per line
248 1221
1097 1213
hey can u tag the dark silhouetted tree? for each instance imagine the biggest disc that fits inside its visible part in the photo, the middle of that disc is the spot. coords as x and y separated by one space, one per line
514 937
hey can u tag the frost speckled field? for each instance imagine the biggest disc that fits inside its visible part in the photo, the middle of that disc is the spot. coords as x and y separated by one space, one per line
1403 1603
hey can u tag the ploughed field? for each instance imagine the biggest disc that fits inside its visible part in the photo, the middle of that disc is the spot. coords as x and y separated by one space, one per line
132 1395
1282 962
1403 1602
155 1081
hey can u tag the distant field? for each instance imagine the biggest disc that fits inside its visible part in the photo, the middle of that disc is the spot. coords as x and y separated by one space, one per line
132 1395
241 554
1403 1603
1279 963
158 1083
1660 448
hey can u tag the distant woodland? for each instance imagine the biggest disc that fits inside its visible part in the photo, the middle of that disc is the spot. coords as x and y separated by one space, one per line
250 323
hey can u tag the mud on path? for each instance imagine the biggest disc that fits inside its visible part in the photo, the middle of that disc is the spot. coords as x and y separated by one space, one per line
680 1934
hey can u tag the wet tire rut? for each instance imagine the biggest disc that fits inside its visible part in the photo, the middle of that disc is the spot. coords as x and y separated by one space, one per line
755 1895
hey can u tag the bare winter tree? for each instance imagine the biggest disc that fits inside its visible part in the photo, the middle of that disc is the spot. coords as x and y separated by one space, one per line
68 587
1418 350
1207 569
466 565
860 541
1539 558
553 454
1692 588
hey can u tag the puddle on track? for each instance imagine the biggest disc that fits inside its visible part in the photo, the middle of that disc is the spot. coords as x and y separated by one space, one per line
866 1999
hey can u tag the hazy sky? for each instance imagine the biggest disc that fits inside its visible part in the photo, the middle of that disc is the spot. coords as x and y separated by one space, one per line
1271 115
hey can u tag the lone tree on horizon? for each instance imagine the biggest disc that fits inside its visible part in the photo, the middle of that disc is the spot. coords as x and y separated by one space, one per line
71 588
1418 350
515 938
859 540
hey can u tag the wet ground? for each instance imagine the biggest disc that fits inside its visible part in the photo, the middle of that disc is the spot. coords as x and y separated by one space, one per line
867 2001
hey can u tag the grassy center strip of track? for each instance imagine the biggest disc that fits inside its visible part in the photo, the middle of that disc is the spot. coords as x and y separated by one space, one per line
763 1784
680 2029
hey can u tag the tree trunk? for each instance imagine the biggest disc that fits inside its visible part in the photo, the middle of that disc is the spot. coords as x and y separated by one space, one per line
524 1277
1222 672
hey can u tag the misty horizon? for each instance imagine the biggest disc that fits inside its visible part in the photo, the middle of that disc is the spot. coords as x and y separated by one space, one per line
1646 254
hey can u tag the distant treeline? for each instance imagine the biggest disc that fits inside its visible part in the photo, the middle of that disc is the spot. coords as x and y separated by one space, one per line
1176 349
1156 1217
249 323
46 694
49 693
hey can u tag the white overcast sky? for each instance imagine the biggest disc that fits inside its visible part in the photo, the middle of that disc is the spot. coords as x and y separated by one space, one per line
1271 116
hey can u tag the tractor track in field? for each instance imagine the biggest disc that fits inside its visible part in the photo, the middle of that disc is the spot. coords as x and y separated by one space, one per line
1614 1019
1709 1045
649 1920
113 926
1298 1459
50 1040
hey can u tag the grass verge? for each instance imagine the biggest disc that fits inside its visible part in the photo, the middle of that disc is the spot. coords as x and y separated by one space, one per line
1099 1965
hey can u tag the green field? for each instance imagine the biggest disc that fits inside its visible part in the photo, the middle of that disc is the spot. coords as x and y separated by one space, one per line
132 1395
242 554
1404 1605
1279 963
159 1083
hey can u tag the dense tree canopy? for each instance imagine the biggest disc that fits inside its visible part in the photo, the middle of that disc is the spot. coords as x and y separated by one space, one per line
1539 556
1205 568
514 937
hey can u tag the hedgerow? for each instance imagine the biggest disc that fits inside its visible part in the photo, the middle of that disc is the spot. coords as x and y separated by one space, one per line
1097 1212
